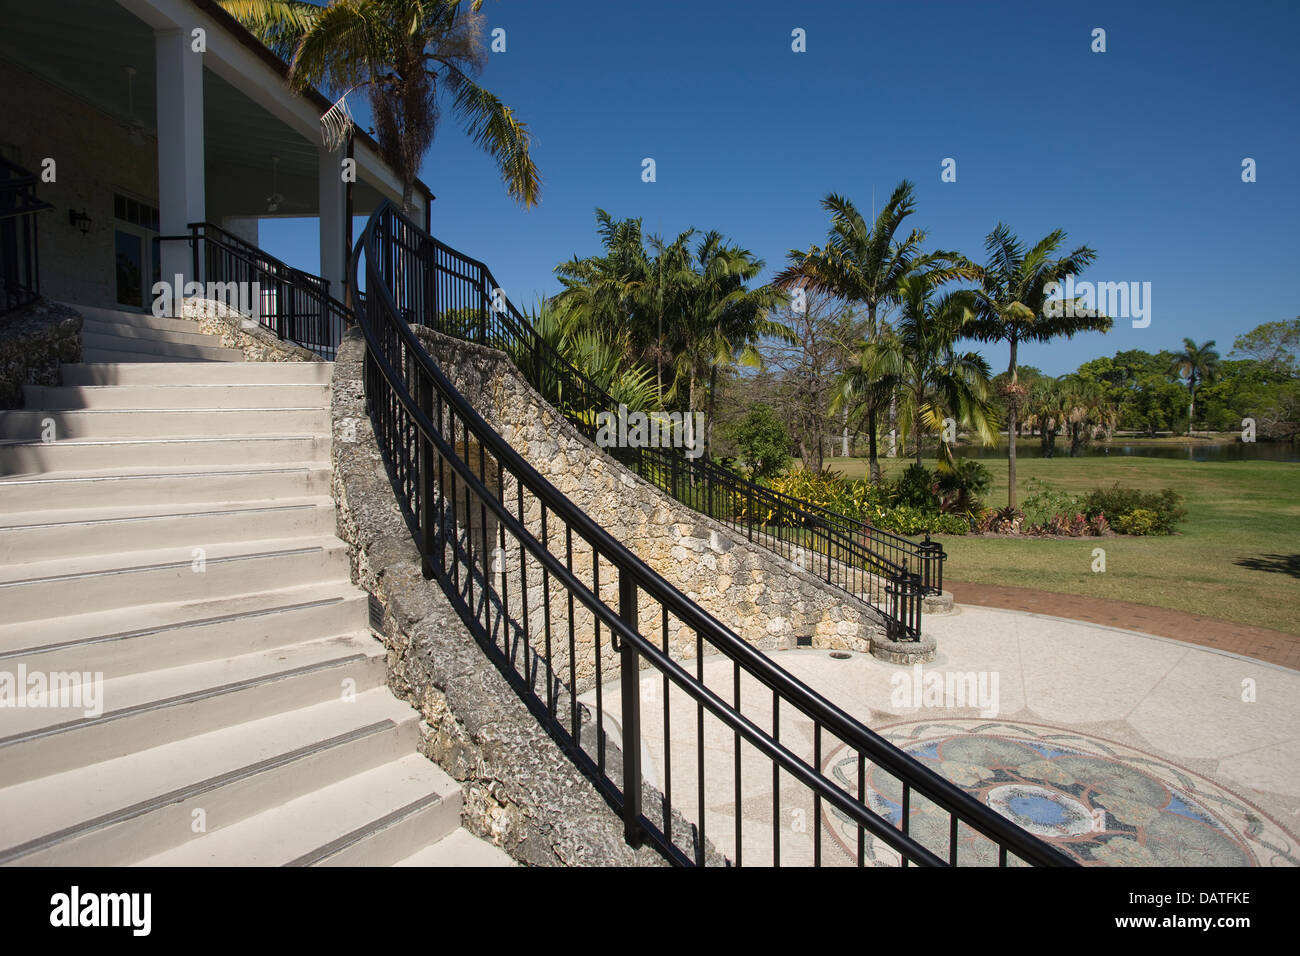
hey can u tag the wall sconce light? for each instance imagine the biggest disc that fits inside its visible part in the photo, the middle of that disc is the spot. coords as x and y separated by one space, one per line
79 219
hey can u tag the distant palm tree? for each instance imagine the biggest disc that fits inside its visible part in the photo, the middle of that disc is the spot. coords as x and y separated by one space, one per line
403 53
1013 288
1086 409
918 358
724 321
1045 410
1199 365
863 263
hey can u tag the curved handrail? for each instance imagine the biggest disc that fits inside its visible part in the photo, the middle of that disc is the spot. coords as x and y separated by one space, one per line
428 378
854 551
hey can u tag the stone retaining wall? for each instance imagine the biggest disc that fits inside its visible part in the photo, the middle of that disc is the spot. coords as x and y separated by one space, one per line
521 790
766 600
236 331
34 341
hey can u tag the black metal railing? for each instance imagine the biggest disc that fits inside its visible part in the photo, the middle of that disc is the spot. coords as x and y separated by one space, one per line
593 640
460 297
293 304
19 251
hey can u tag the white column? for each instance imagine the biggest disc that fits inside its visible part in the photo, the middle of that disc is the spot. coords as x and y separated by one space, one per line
333 220
181 197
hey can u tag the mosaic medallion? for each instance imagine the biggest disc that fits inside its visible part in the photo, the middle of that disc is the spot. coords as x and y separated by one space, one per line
1103 803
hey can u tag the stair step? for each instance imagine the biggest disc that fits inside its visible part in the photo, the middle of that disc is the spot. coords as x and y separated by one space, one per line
137 638
142 320
189 373
150 333
32 424
196 570
92 342
46 535
143 710
123 809
373 818
37 457
112 487
270 395
459 848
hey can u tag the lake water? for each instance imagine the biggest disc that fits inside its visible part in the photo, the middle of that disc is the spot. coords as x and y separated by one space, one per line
1189 451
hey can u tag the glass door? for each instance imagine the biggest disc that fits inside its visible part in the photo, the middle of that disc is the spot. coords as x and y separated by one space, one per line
138 264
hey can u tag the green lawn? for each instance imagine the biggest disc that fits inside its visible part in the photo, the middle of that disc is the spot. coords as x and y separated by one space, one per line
1238 514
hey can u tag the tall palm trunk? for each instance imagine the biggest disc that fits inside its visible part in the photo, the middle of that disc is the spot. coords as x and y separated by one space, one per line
1012 411
916 424
708 421
873 458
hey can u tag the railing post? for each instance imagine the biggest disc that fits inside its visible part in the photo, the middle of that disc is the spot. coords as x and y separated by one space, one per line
932 557
194 252
483 311
428 513
749 525
630 676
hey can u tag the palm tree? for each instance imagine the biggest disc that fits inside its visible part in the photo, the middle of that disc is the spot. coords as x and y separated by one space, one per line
604 292
863 264
404 54
918 357
1045 410
1199 364
1013 289
628 290
1085 409
723 321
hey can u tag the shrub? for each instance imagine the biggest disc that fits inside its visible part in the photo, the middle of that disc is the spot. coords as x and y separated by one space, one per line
763 441
1001 521
907 520
915 488
961 488
1138 521
1044 502
858 499
1165 504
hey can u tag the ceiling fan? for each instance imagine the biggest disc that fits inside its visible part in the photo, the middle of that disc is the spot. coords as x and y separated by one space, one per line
276 201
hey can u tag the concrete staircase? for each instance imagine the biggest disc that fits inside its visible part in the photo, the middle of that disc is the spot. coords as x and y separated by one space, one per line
176 536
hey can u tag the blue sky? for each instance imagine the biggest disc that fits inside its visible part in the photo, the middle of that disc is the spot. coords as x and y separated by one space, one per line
1136 152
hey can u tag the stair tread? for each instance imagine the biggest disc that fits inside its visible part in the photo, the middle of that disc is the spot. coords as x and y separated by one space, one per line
157 687
168 471
46 805
459 848
288 832
16 574
38 519
166 440
30 636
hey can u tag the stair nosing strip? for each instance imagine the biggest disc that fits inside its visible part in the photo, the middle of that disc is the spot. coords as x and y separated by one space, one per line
336 846
206 693
190 790
179 625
